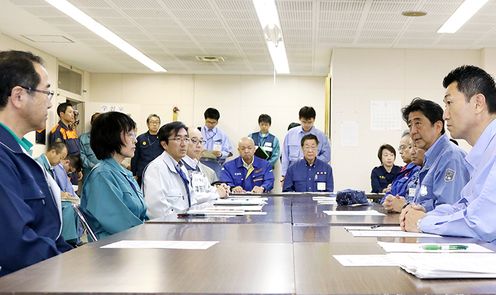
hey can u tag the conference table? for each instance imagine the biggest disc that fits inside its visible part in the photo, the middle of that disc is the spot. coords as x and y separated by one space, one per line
286 254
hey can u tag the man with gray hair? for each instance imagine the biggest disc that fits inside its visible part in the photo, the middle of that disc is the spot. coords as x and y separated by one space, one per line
247 173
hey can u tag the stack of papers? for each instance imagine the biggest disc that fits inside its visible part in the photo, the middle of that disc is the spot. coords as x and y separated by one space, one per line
447 265
321 200
390 233
433 247
355 213
241 201
189 245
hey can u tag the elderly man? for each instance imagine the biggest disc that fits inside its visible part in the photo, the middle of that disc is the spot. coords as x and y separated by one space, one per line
193 155
309 174
470 113
247 173
30 214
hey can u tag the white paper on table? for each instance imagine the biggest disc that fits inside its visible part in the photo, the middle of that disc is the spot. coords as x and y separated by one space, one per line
373 228
188 245
355 213
235 208
365 260
417 247
390 233
447 265
241 201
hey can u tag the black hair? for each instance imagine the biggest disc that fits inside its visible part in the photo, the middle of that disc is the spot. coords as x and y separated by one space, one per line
170 129
63 107
17 69
105 136
151 116
472 80
211 113
307 113
385 147
430 109
58 146
93 117
264 118
75 162
309 137
293 125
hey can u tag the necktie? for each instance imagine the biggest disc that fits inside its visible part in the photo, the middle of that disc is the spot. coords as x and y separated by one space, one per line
185 181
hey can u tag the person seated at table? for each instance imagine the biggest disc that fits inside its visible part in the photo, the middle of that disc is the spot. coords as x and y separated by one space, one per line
51 161
112 200
193 156
383 175
309 174
395 203
166 185
398 187
247 173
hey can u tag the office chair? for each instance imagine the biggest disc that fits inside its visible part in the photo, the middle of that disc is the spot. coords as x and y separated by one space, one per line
85 223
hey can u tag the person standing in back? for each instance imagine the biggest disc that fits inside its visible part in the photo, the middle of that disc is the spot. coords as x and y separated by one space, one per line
147 148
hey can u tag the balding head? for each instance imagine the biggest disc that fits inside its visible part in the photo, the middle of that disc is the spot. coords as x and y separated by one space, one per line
246 149
195 147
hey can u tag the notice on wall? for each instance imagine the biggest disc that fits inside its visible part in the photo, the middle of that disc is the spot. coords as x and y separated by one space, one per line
348 133
385 115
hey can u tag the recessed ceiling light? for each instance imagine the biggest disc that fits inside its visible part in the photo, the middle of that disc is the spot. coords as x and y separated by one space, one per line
414 13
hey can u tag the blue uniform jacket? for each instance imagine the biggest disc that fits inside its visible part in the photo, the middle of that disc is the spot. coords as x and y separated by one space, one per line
29 217
302 177
380 178
270 144
112 199
88 158
442 176
400 184
147 149
233 174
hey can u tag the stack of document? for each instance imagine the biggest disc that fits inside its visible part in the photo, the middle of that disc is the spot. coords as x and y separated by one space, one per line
355 213
229 207
447 265
322 200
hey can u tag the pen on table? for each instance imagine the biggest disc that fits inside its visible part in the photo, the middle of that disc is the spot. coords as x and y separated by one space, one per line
444 247
184 215
375 226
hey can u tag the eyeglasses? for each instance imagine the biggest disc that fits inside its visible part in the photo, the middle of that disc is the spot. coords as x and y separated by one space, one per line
49 93
154 122
179 139
309 148
197 141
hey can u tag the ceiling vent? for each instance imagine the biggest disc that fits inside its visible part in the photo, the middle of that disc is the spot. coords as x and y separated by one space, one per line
48 38
210 58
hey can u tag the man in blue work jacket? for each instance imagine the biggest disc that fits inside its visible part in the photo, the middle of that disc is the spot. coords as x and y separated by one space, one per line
147 147
444 172
309 174
470 113
291 151
30 209
247 173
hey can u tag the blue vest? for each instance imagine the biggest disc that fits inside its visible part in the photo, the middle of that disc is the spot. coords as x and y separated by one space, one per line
262 141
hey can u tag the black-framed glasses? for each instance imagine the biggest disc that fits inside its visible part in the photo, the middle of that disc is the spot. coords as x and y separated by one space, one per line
49 93
197 141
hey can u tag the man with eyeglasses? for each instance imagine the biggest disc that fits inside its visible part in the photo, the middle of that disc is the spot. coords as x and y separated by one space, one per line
147 147
166 186
292 152
192 158
309 174
217 145
30 218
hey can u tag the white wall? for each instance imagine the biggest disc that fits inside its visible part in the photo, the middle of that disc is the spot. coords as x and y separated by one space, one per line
363 75
240 99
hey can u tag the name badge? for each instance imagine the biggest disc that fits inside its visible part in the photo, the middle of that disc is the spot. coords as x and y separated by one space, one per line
411 192
268 144
423 190
321 186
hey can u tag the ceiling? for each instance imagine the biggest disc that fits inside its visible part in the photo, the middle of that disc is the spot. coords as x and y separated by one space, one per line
173 32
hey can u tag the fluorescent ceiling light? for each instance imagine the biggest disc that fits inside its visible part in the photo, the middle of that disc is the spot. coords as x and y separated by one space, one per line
82 18
461 16
269 21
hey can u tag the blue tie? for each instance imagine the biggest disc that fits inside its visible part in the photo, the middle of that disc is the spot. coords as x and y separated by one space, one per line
185 181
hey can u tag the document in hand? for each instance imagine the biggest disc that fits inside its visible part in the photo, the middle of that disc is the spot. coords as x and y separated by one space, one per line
447 265
259 152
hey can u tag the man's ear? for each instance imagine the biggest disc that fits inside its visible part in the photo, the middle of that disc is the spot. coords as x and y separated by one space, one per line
16 96
480 102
